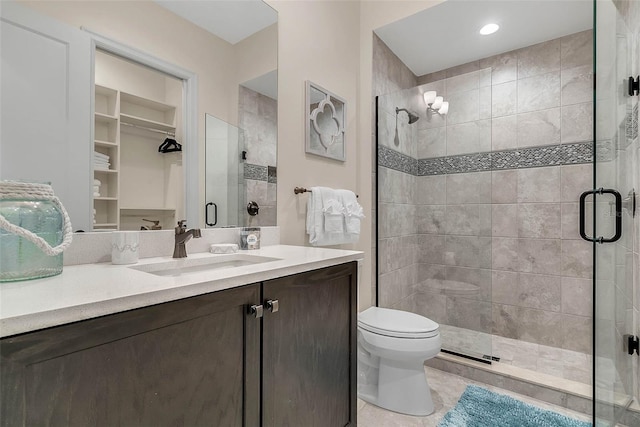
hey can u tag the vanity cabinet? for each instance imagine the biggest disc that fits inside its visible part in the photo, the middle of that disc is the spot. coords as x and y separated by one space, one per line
204 360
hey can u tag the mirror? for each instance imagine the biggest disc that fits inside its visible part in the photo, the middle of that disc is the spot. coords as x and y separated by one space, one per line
137 152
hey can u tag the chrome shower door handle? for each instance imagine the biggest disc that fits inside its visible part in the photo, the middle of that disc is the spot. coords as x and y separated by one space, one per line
618 203
273 305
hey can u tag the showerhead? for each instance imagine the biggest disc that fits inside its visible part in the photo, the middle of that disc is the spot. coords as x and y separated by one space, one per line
412 117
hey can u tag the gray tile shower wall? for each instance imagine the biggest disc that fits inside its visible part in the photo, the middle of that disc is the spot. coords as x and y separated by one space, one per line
495 199
257 117
396 278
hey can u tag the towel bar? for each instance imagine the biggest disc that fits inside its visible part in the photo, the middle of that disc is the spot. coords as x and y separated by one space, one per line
299 190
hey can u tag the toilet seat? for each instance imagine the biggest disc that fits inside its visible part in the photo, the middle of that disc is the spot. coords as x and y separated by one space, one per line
397 324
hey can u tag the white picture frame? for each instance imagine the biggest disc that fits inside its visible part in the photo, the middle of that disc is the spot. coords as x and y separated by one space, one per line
325 123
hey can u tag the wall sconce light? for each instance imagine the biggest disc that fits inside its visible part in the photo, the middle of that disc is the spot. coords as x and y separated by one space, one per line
435 103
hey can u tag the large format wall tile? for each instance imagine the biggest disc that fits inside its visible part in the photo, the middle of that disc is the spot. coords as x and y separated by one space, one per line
463 107
539 59
468 188
577 85
470 137
539 128
577 122
539 220
504 133
504 67
539 291
396 186
504 220
575 179
504 99
504 186
577 296
577 333
432 142
539 185
539 256
577 258
539 92
577 49
504 254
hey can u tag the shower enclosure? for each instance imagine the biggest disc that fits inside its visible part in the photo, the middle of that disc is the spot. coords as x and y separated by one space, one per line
617 167
478 210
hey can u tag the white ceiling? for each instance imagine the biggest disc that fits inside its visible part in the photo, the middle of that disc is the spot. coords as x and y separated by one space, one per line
266 84
447 35
231 20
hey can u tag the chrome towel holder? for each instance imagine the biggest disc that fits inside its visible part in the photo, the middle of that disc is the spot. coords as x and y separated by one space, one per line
299 190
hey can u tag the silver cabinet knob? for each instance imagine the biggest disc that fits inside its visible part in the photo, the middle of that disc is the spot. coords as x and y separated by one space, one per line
256 310
272 305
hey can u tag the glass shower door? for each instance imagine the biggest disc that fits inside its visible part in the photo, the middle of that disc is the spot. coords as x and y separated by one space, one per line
434 209
224 181
616 169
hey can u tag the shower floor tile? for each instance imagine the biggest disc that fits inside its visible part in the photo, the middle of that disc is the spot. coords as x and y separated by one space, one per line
446 389
566 364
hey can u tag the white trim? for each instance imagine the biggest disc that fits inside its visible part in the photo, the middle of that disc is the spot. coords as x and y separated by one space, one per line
189 113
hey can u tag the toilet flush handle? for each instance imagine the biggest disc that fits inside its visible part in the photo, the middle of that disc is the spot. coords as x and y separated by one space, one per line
272 305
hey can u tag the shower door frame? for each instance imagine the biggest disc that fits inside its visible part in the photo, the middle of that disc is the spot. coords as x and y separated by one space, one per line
610 401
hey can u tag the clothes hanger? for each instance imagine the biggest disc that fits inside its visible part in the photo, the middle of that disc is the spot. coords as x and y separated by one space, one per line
169 145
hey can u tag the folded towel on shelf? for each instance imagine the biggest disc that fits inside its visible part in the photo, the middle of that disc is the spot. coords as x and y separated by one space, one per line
99 155
97 182
96 188
353 213
95 194
326 218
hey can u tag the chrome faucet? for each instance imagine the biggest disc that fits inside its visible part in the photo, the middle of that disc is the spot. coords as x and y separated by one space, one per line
182 237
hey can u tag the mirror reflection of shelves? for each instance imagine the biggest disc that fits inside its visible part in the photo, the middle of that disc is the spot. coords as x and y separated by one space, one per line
139 182
105 159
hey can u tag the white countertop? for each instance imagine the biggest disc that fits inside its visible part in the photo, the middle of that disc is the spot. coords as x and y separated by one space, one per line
92 290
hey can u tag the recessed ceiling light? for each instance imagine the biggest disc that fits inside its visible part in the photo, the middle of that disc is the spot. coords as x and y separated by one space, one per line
489 29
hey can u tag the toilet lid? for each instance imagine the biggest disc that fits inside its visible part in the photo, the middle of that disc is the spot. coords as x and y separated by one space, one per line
397 323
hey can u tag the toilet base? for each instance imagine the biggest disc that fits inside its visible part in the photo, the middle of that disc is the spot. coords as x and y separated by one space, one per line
402 387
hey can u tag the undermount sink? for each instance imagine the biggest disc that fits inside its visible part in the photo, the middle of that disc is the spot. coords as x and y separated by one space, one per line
185 266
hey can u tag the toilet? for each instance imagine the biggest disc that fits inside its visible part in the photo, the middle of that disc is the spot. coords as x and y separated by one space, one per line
392 348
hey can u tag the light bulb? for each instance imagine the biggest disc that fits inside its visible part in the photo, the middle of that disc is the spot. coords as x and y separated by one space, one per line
444 109
429 97
437 103
489 29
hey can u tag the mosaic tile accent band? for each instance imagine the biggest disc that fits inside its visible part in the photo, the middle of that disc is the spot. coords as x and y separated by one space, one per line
632 124
550 155
272 175
256 172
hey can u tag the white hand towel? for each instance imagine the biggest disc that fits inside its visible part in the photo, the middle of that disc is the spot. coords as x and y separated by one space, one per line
325 218
97 182
96 194
314 215
353 213
333 212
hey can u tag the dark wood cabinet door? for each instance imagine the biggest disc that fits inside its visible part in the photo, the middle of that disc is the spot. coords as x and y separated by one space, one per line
192 362
309 349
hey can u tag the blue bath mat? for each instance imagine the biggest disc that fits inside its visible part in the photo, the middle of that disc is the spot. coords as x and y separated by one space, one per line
479 407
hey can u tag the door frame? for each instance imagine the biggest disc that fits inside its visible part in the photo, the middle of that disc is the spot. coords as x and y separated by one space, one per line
189 111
